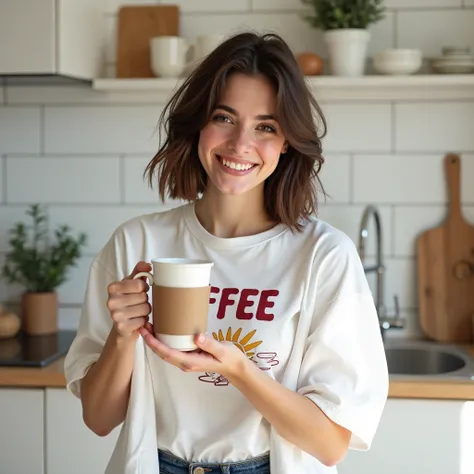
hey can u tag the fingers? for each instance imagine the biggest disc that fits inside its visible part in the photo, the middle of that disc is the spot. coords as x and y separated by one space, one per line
141 266
149 327
128 286
130 312
122 301
193 361
128 301
130 326
128 318
210 345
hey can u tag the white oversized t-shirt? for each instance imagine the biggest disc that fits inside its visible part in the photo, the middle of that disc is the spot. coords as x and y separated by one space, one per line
297 304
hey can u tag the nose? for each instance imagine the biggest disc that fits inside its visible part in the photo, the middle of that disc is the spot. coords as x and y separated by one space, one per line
241 141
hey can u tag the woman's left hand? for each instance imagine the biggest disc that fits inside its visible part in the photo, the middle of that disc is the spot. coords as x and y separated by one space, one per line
223 358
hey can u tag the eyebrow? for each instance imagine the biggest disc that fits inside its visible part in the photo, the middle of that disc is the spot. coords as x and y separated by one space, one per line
234 112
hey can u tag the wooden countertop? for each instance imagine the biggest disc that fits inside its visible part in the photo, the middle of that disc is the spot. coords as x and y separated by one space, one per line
53 376
32 377
441 389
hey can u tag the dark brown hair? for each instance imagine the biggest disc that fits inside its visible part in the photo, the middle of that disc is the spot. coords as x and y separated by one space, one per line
291 190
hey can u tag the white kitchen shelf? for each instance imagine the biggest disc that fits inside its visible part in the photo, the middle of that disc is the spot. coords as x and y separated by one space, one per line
365 88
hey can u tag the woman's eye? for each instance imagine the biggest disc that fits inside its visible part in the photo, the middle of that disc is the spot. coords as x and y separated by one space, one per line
267 128
222 118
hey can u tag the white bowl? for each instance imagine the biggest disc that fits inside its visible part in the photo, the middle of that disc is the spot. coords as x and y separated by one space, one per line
454 58
449 66
456 51
398 61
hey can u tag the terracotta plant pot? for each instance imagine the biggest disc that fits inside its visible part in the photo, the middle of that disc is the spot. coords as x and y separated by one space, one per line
40 313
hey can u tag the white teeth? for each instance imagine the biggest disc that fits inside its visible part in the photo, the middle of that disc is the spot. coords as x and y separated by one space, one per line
236 166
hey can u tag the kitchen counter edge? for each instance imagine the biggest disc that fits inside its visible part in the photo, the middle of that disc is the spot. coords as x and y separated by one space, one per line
52 376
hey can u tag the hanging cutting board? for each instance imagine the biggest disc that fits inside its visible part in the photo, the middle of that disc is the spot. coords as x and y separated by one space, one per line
135 26
445 266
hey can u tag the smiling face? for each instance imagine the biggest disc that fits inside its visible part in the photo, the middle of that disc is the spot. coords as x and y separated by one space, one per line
241 145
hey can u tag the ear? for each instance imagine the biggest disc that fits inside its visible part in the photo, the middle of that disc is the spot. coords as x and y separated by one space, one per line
285 147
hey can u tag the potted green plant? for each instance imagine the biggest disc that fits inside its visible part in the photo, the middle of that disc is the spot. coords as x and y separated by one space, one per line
345 26
39 261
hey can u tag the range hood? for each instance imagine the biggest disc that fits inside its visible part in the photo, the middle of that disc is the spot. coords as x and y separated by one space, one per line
50 41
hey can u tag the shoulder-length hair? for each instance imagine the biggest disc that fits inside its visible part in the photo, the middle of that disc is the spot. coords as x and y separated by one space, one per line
291 190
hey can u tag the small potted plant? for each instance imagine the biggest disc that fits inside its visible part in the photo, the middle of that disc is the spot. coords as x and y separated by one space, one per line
345 25
39 262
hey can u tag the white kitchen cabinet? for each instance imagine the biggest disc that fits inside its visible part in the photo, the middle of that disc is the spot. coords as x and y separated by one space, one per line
42 432
51 37
419 437
21 431
70 446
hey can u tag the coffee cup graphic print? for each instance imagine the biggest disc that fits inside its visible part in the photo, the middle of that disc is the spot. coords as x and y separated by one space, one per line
264 360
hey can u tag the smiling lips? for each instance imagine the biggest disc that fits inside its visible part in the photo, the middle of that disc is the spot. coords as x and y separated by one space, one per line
235 166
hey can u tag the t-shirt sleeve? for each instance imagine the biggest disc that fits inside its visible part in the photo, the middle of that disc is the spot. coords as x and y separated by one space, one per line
344 368
95 322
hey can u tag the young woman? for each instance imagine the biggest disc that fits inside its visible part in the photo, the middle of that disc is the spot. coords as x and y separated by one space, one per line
292 371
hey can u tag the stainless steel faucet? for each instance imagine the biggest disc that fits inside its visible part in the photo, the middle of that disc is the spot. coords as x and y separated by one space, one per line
385 321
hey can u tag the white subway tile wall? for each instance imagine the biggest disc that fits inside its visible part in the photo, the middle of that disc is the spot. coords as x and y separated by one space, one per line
354 127
434 127
116 129
83 153
20 129
336 179
193 6
135 186
422 4
282 5
62 179
396 179
429 30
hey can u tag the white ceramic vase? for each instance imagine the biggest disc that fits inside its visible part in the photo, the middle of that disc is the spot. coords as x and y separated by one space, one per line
347 51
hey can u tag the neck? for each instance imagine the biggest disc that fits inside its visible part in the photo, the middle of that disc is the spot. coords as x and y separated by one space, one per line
228 216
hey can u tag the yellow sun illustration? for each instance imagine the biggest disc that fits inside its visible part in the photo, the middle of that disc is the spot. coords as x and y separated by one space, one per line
243 344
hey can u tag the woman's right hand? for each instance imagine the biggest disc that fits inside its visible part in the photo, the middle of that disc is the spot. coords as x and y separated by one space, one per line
128 302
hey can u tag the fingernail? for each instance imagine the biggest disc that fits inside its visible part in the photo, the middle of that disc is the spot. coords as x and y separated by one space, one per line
201 338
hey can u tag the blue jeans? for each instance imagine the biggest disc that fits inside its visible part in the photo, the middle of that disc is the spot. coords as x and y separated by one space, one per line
170 464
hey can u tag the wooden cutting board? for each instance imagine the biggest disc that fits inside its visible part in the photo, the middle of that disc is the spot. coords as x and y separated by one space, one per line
135 26
445 264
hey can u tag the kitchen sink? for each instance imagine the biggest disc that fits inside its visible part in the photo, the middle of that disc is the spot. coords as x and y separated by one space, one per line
422 361
428 359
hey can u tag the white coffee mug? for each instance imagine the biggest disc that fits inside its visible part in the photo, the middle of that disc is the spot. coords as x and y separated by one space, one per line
201 48
169 55
179 272
205 44
181 285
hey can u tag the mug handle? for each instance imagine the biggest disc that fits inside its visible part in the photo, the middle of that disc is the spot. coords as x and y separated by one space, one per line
144 274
